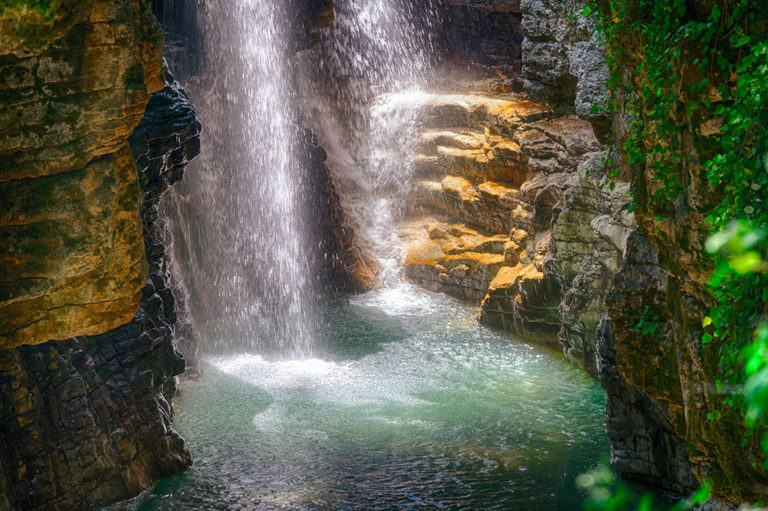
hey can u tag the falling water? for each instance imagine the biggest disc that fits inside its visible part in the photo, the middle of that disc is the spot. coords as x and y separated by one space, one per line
399 399
239 221
379 51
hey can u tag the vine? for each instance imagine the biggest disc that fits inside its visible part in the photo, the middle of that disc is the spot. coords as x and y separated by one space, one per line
698 84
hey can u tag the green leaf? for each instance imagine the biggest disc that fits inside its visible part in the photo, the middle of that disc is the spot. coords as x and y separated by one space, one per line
646 503
746 263
707 321
742 41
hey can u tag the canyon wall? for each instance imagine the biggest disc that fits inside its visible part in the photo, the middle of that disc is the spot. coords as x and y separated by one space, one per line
668 422
525 219
487 32
72 255
649 296
86 421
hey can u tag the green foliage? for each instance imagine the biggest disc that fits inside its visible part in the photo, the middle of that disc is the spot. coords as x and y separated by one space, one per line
45 7
703 74
648 324
700 86
608 493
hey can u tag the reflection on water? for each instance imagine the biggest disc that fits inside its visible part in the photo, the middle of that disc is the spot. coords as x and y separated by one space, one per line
411 405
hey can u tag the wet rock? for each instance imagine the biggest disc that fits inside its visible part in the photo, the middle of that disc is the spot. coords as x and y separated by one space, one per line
456 260
520 299
342 265
87 421
484 31
521 217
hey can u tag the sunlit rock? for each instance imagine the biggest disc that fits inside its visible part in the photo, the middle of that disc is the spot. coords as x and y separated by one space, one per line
523 195
72 255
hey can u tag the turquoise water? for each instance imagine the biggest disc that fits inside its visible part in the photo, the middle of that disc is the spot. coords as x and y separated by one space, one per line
409 404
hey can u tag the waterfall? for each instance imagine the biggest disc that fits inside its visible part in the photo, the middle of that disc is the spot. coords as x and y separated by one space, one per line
238 218
374 60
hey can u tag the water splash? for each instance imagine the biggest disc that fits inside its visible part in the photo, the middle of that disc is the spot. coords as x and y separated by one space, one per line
376 52
239 219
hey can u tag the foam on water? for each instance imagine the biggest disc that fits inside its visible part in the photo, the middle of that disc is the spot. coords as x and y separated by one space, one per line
404 299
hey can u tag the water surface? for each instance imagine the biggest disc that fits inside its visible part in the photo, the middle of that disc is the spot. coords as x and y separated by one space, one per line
410 405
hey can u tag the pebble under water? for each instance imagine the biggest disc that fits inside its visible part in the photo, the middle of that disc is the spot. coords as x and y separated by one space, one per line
410 404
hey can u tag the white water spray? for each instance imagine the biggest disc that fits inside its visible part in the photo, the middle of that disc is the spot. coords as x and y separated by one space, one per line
239 219
381 51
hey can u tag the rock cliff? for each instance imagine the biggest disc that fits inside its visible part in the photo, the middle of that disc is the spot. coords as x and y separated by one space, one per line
86 421
667 420
72 255
563 63
523 218
487 32
519 207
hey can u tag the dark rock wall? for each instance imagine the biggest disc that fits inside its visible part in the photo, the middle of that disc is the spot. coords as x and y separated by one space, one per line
487 32
563 63
87 421
343 266
641 427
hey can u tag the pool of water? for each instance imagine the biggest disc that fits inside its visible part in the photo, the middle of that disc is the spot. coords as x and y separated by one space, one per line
409 404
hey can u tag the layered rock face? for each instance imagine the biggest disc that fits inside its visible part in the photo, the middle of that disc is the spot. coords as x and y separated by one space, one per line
648 356
518 209
72 255
87 421
563 63
668 422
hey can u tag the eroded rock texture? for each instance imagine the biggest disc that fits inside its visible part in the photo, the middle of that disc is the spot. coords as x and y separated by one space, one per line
563 63
523 218
520 216
655 367
71 254
484 31
87 421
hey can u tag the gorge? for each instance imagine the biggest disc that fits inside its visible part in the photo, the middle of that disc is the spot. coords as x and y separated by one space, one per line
372 254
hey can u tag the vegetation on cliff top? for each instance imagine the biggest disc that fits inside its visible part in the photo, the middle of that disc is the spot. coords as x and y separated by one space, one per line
29 25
